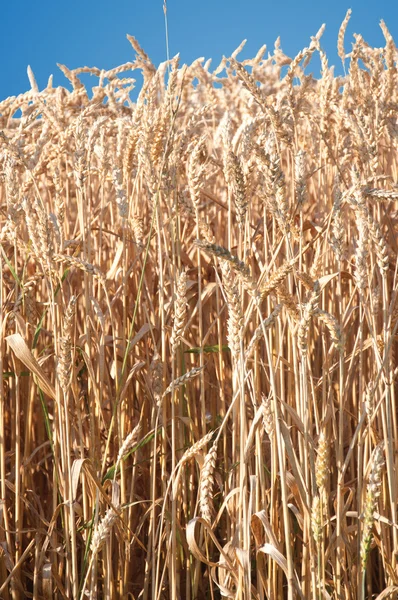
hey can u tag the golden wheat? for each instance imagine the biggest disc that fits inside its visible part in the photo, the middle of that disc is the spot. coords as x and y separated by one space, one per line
217 254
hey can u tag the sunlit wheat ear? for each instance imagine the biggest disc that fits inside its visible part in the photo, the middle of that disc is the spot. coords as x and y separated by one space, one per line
237 181
157 144
379 243
340 39
288 302
249 83
145 163
376 295
80 155
129 443
180 311
196 170
185 205
306 279
277 201
26 298
144 60
44 234
235 316
194 451
316 266
370 502
370 400
206 231
308 312
276 279
31 227
121 196
300 178
64 367
103 530
333 326
316 520
72 261
259 332
376 194
196 448
242 270
206 484
137 228
321 463
183 379
268 416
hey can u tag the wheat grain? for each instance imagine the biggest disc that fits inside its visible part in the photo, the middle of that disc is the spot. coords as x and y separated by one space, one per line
372 494
183 379
308 312
321 464
206 483
340 40
180 311
276 279
64 367
103 530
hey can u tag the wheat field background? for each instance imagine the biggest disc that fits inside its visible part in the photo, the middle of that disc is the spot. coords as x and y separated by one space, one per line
199 323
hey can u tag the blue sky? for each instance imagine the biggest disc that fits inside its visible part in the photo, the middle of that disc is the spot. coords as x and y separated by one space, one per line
93 33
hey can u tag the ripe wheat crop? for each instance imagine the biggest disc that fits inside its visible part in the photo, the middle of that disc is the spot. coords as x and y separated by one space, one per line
199 322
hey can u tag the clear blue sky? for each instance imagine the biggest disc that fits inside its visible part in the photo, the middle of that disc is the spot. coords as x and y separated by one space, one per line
93 33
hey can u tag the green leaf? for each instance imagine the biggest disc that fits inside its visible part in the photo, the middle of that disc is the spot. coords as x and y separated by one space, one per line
208 349
7 374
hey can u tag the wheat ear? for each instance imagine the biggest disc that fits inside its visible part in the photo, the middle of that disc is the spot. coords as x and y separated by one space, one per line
206 483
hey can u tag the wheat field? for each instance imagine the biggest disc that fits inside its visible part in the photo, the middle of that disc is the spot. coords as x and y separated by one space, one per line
199 324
